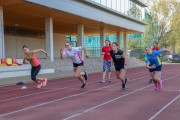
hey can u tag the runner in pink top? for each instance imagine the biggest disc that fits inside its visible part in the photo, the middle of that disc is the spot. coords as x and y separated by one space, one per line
31 57
74 54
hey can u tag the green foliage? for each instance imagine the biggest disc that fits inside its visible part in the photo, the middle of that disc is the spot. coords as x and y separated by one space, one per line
134 44
163 23
135 11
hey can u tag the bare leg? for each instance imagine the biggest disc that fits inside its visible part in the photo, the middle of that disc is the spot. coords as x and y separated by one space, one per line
77 74
109 75
121 75
104 75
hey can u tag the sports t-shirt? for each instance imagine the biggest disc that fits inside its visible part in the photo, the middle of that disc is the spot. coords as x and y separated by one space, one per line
156 48
117 58
31 57
106 50
153 58
74 54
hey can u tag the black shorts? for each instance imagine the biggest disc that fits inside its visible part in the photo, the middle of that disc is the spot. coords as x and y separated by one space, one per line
119 68
78 64
35 71
157 69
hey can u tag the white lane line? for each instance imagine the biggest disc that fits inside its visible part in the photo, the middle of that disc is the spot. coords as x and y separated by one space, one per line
64 81
57 89
155 115
52 90
69 81
45 103
85 111
49 102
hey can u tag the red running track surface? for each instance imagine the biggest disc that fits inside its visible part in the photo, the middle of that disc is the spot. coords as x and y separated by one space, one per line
64 99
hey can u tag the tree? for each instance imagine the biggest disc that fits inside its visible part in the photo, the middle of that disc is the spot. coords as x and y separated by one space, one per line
163 23
134 44
134 11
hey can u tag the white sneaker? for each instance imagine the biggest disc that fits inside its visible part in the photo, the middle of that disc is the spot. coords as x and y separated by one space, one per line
44 82
102 81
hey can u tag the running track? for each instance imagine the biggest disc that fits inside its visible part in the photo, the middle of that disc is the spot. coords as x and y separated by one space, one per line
62 99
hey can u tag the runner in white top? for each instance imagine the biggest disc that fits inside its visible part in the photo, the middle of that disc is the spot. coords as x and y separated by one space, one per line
73 53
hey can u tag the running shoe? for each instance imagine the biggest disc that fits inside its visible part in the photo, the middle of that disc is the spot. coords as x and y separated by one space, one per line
156 86
39 85
160 84
126 79
85 75
123 86
102 81
150 81
109 80
83 85
44 82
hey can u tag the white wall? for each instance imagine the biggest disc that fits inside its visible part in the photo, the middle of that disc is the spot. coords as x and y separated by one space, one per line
13 45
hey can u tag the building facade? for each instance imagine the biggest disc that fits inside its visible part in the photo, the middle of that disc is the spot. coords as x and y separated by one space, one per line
48 24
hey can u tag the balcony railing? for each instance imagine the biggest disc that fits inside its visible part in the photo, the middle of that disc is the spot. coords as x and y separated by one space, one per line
127 7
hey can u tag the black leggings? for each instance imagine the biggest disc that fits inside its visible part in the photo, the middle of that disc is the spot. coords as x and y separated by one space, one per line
34 72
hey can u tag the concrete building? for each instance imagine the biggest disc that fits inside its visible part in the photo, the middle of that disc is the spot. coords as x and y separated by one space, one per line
46 23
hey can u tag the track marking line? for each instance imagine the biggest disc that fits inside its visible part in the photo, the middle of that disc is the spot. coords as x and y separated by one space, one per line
85 111
75 95
161 110
49 102
55 90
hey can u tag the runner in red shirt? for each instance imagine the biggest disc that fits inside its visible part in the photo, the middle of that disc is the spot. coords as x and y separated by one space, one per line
106 61
155 48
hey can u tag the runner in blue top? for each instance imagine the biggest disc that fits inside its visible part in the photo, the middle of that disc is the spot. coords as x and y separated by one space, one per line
154 64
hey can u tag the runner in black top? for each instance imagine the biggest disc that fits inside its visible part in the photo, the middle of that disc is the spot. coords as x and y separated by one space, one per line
119 59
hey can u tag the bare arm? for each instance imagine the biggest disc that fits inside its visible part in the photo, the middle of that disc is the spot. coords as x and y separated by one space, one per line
125 59
150 67
62 56
165 50
85 52
24 60
40 50
102 53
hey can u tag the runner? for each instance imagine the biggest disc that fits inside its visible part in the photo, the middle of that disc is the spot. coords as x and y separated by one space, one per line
106 61
153 63
119 60
31 57
155 48
73 53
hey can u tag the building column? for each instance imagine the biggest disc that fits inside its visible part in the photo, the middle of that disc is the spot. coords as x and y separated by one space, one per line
49 37
118 38
102 37
80 37
2 53
125 44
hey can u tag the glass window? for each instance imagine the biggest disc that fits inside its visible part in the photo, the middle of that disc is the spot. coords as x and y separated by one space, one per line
72 39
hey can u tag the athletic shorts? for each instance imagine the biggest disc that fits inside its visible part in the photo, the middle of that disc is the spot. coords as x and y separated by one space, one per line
119 68
107 65
158 69
78 64
35 71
